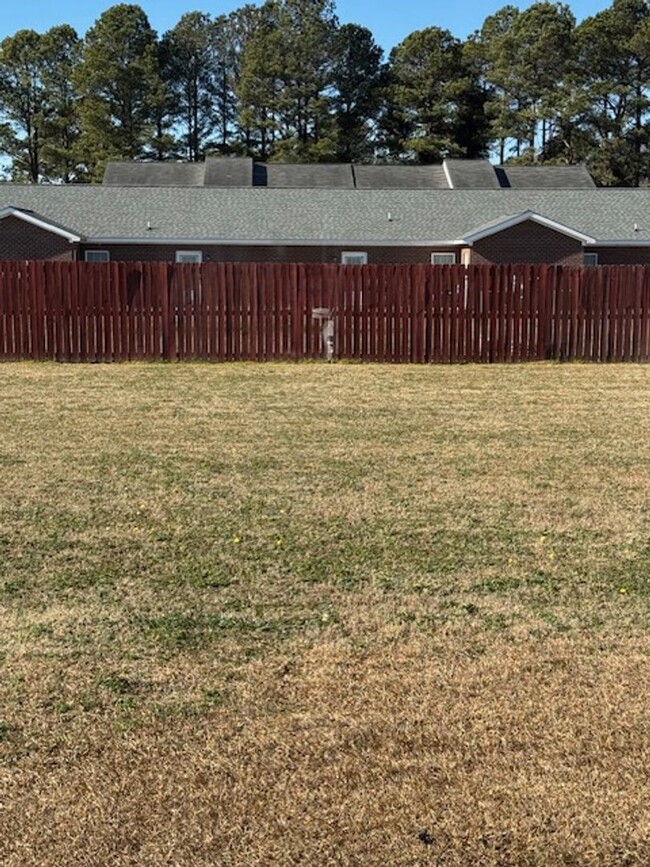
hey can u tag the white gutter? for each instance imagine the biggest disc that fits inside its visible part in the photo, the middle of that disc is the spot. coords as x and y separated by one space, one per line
41 224
523 217
634 243
277 242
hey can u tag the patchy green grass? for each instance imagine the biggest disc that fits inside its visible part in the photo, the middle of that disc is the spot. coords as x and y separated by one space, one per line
252 550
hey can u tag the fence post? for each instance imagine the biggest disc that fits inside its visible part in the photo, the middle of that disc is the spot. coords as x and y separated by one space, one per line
167 315
36 310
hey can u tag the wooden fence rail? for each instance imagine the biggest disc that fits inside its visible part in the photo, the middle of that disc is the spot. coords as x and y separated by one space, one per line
119 311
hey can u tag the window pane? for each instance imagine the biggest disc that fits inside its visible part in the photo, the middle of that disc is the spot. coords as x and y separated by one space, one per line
354 258
96 256
189 257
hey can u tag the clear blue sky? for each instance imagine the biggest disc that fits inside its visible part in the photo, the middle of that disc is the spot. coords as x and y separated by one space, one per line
389 20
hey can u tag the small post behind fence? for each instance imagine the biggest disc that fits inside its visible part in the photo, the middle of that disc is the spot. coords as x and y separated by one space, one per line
326 318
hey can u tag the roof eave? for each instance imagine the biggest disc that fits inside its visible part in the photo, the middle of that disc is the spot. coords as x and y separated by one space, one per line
634 242
270 242
515 220
40 222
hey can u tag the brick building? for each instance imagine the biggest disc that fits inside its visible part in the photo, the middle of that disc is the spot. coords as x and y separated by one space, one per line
240 210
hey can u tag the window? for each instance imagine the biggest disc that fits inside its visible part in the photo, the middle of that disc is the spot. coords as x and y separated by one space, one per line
97 256
591 259
354 257
189 257
443 258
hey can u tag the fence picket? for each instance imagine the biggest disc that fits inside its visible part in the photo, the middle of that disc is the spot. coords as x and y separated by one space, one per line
76 311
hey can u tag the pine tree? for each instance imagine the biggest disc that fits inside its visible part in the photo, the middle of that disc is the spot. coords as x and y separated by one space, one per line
191 72
614 54
231 35
38 102
286 78
258 86
358 77
433 92
120 86
60 54
528 60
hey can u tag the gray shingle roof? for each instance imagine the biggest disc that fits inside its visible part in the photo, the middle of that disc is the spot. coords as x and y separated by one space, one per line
244 172
472 175
400 178
314 176
347 216
548 177
135 174
228 172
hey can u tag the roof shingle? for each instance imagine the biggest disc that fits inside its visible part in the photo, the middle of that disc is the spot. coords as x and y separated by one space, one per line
548 177
472 175
347 216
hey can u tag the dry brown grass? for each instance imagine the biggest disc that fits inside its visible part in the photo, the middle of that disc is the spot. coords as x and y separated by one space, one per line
324 615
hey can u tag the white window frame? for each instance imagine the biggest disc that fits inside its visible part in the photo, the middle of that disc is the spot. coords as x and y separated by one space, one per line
97 256
593 260
443 258
196 257
357 254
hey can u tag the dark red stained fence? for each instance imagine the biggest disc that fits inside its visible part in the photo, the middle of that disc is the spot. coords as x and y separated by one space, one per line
74 311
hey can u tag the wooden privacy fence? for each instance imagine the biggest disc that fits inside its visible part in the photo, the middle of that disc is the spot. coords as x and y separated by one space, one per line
75 311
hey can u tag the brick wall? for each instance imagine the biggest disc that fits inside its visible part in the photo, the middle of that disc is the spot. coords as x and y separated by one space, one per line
527 242
22 240
622 255
211 253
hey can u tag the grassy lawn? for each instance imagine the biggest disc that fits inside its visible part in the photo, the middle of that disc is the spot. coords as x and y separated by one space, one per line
324 615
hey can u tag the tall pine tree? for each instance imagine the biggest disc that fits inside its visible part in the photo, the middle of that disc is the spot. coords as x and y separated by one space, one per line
435 100
614 53
191 75
358 78
286 78
528 60
120 87
38 104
